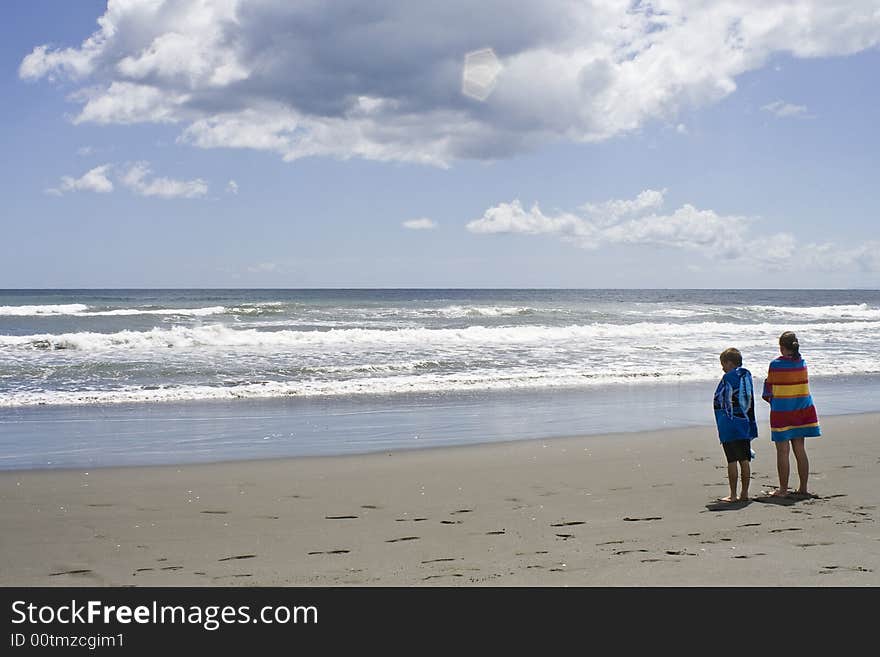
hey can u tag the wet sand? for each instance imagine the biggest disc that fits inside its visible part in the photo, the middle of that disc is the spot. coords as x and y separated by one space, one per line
607 510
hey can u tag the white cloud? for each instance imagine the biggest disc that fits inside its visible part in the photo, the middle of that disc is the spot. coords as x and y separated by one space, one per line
609 223
232 187
704 232
420 224
783 110
94 180
307 79
124 102
264 267
136 179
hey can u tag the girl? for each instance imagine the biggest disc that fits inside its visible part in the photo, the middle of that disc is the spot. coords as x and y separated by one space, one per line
792 414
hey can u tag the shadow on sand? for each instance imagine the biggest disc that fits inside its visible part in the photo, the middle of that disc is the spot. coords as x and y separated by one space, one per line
728 506
788 500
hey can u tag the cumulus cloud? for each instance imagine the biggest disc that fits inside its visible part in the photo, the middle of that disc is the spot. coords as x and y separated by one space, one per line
420 224
640 222
137 179
784 110
306 79
94 180
612 222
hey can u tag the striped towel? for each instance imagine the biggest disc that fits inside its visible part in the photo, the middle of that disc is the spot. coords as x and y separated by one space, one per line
787 388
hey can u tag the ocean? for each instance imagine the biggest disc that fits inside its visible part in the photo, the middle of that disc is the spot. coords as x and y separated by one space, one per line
90 378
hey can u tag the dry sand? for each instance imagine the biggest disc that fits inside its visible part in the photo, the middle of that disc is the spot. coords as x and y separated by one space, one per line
614 510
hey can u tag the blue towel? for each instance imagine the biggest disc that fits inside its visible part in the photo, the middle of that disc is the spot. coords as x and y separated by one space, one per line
734 405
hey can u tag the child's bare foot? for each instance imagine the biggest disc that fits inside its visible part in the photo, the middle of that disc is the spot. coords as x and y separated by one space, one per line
803 493
744 497
779 492
729 498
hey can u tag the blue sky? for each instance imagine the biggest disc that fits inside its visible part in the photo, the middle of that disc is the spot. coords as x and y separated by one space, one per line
275 144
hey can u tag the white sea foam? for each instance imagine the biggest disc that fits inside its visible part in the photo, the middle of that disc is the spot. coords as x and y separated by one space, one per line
638 334
82 310
861 311
52 309
420 383
455 312
431 382
185 312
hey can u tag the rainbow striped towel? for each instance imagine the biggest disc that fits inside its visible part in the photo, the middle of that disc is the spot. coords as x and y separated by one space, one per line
787 388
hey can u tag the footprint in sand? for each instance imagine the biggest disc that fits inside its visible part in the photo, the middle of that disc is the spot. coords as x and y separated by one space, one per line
450 522
238 556
340 517
440 559
462 511
628 519
856 569
619 552
787 529
221 513
495 533
330 552
80 571
569 524
404 538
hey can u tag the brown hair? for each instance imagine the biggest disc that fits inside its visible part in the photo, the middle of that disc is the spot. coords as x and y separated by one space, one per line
789 341
732 355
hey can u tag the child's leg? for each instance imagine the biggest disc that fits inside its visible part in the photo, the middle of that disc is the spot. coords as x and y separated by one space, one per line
746 469
731 479
782 466
803 463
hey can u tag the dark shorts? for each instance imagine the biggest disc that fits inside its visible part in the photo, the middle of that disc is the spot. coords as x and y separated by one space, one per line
738 450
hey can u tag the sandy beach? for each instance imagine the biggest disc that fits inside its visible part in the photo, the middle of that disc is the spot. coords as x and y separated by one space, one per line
606 510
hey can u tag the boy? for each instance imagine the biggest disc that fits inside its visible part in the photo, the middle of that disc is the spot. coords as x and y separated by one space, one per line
735 417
